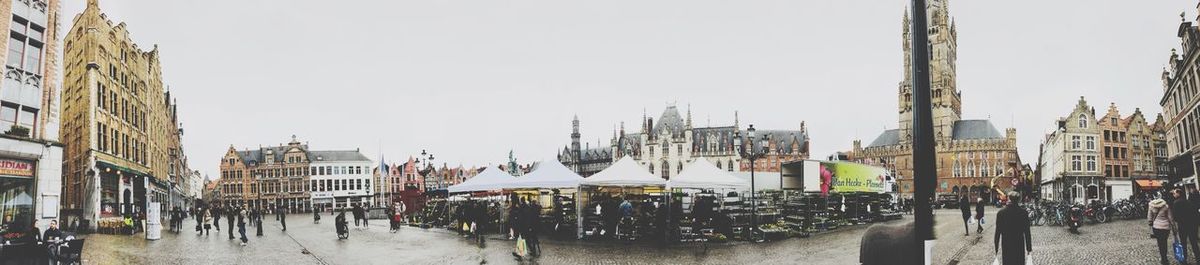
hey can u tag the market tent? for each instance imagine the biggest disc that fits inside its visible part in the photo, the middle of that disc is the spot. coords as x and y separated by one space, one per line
624 172
703 175
549 174
491 178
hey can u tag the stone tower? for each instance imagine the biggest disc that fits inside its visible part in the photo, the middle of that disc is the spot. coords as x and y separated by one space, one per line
575 153
946 99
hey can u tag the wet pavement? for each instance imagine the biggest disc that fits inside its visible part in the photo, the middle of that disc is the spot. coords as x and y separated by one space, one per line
1125 241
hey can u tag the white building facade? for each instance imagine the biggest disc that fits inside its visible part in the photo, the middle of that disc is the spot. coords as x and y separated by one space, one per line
340 179
1070 165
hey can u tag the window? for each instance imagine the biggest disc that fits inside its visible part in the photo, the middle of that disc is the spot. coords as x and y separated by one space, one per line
1091 163
1083 121
666 170
971 170
999 169
1076 163
1075 142
957 169
1091 143
986 169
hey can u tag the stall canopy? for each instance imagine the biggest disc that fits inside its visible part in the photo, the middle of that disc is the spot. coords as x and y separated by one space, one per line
491 178
1149 184
701 174
549 174
624 172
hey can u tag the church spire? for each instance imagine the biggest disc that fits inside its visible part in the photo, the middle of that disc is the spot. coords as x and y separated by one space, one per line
689 116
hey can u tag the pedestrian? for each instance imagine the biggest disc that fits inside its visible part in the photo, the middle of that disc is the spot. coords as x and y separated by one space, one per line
1012 233
208 220
316 216
257 221
1159 215
1186 219
230 216
512 218
533 214
965 206
979 216
281 215
241 222
482 222
216 214
357 212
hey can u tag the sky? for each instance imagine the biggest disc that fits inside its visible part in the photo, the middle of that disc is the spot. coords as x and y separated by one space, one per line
470 80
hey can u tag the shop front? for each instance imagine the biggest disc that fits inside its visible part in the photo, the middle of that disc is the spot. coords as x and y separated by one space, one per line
17 195
123 193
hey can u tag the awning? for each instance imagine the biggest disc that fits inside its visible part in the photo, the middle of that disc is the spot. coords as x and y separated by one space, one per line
1149 184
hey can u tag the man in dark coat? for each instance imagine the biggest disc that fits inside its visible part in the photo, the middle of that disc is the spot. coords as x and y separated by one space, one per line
965 206
282 215
216 215
979 215
230 216
1012 232
533 223
1186 218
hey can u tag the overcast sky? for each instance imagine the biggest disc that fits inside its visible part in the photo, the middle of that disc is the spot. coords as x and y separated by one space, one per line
470 80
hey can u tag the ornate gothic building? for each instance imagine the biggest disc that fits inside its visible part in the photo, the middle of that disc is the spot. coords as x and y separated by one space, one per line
969 152
666 145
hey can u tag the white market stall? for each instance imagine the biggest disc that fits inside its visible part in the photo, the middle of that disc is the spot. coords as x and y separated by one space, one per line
707 194
491 178
701 174
624 180
554 186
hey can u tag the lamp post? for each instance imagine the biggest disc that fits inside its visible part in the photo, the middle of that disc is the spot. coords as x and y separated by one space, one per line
428 163
751 153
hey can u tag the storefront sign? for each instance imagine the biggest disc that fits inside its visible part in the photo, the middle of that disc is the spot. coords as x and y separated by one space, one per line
13 167
854 177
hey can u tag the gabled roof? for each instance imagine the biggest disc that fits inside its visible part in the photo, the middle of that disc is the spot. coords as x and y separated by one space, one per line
888 137
669 121
336 156
975 129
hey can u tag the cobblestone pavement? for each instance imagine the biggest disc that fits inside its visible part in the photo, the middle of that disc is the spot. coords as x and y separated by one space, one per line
1121 242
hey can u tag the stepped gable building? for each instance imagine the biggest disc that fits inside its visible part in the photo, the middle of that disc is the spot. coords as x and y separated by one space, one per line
666 145
295 177
119 124
969 152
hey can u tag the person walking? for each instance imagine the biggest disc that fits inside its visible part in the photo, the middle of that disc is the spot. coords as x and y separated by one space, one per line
1186 218
1012 233
208 220
216 214
979 216
241 222
357 212
1159 215
533 215
965 206
230 216
256 219
281 214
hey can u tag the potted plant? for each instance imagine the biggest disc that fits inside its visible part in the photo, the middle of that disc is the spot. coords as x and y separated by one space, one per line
18 130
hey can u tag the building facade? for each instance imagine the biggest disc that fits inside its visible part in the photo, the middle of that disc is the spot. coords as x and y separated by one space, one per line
294 177
664 146
1071 155
971 154
1161 155
1181 85
341 179
120 126
30 151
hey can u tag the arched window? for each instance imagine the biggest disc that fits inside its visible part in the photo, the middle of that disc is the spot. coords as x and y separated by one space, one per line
666 170
651 168
1083 122
985 169
730 165
957 169
971 169
999 169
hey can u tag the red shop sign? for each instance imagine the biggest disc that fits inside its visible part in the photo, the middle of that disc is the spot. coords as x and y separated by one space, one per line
16 167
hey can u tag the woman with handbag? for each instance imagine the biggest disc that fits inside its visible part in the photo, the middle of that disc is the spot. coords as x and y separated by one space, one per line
1159 215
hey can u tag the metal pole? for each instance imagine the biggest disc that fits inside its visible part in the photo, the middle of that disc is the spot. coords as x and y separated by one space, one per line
924 163
753 198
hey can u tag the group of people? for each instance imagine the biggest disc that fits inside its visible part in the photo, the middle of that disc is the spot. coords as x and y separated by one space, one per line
1175 213
210 218
524 219
472 219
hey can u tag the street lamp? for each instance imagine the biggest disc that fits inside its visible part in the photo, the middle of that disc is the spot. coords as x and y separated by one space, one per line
751 153
428 163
